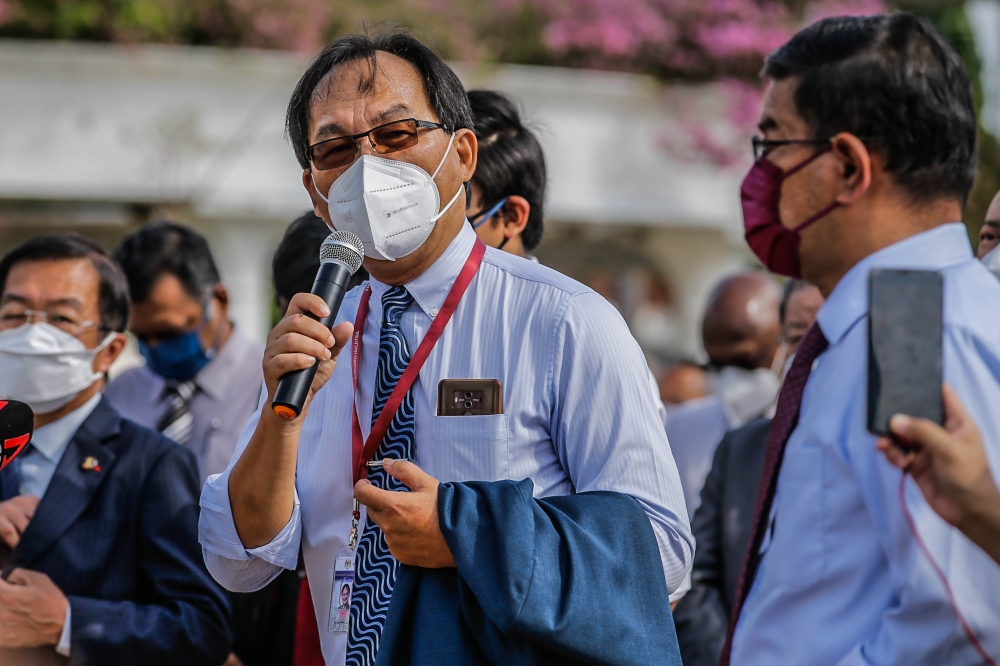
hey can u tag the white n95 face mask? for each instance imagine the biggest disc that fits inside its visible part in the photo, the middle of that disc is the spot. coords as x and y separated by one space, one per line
992 261
44 366
745 394
391 205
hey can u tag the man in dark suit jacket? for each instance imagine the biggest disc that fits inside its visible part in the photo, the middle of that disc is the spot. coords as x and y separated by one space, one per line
721 528
99 515
721 524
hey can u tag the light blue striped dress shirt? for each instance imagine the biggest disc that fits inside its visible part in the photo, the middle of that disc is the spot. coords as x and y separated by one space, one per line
842 580
37 467
579 415
48 443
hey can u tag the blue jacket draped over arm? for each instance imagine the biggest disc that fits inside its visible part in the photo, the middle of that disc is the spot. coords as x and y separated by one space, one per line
561 580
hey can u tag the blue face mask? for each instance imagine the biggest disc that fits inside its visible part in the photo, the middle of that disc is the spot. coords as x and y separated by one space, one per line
178 359
484 217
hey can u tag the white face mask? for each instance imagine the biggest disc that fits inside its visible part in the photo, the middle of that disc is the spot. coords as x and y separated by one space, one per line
992 261
745 394
391 205
45 366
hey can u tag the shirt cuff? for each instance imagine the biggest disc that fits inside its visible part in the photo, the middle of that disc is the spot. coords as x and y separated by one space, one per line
63 646
284 547
217 530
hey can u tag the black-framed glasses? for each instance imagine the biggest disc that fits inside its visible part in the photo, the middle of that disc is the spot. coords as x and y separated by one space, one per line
388 138
762 146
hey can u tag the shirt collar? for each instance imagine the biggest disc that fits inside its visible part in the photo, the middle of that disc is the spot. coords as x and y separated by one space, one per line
216 377
52 439
430 288
933 250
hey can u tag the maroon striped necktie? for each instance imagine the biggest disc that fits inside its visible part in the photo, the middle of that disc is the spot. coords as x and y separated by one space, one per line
786 417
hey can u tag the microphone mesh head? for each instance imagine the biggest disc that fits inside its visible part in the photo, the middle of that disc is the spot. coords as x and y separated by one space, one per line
344 248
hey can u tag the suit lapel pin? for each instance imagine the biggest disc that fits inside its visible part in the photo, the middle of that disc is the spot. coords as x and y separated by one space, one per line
90 464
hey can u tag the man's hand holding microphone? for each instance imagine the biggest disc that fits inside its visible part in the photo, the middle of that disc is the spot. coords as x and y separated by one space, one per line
301 354
261 486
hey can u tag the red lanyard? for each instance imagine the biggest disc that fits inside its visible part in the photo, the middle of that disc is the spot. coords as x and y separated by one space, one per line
364 450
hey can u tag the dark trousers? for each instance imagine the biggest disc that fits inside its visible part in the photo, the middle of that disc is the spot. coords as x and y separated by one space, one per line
264 622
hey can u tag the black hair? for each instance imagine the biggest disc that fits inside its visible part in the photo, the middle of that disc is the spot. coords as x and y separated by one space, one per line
113 303
444 90
296 260
511 161
790 288
162 248
894 82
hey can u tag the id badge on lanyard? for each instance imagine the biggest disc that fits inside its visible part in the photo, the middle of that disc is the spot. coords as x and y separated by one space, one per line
364 450
343 578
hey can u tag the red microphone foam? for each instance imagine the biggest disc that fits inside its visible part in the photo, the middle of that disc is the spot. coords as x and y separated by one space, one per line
17 424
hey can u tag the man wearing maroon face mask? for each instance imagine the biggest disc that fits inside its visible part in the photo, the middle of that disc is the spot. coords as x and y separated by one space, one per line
866 159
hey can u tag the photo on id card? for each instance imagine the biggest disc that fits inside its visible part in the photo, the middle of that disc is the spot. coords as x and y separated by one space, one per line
340 600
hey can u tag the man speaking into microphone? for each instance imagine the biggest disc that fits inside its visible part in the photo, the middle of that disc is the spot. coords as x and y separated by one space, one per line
495 393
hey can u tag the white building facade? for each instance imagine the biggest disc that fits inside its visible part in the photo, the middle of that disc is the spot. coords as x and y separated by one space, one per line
100 139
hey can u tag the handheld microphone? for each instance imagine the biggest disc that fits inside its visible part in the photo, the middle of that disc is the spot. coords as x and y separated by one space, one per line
340 257
17 424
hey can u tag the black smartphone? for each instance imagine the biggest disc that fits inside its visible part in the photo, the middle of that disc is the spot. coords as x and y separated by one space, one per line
469 397
904 346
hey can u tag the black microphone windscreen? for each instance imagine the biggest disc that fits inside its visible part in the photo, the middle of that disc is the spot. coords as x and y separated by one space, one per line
17 424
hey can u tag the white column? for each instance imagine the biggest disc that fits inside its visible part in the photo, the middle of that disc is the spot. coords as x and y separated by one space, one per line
695 260
243 251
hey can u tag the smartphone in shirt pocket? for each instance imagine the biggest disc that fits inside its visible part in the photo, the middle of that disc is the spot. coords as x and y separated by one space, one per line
469 431
469 397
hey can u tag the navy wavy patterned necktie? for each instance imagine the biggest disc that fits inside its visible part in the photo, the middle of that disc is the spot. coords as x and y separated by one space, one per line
376 571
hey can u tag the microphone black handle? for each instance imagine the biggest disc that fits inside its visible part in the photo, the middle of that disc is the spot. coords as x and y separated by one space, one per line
293 387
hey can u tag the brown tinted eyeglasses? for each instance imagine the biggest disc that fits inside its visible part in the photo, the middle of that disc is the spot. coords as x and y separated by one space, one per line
342 150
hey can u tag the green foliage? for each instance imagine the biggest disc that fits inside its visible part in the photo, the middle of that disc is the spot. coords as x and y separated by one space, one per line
171 21
463 29
952 20
688 39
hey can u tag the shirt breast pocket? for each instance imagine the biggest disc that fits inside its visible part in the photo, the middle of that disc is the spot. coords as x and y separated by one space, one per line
467 448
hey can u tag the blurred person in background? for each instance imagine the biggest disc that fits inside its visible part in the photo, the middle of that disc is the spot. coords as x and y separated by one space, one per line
296 260
721 525
989 238
989 233
371 114
867 157
98 515
800 301
508 186
202 376
741 335
682 382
